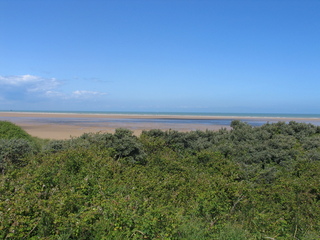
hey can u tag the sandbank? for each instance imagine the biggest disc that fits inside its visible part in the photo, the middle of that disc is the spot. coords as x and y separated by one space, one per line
67 125
140 116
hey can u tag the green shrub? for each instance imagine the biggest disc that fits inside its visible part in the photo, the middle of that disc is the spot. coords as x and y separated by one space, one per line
9 130
233 232
125 145
54 146
12 151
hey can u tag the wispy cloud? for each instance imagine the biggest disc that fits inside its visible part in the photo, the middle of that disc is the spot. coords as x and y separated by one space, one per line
85 94
18 80
92 79
55 94
44 87
30 82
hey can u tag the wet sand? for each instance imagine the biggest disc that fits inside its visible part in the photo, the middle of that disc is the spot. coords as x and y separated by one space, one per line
67 125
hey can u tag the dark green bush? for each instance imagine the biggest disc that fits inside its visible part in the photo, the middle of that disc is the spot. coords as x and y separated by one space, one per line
15 145
12 151
128 146
123 143
54 146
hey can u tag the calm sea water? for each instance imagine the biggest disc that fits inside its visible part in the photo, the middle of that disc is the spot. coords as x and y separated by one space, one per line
226 121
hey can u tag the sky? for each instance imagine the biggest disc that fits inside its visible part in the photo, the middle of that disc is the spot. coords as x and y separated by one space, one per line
248 56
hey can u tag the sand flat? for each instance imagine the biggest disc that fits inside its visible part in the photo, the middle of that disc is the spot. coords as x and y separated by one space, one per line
67 125
139 116
37 124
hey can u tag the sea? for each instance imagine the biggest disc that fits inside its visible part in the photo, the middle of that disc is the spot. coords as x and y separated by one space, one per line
253 119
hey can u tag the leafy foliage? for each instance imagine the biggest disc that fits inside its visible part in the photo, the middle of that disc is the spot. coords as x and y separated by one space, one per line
246 183
15 144
9 130
123 143
12 151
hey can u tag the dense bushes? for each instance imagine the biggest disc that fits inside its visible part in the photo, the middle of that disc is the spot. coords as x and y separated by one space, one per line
12 151
15 144
246 183
125 146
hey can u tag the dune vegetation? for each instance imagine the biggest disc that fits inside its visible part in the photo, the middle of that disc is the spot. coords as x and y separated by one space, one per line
245 183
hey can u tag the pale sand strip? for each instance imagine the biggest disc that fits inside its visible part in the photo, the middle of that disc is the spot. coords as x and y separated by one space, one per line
142 116
28 121
65 131
60 131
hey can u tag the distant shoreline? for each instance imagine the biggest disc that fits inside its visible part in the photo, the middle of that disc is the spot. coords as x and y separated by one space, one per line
55 125
150 115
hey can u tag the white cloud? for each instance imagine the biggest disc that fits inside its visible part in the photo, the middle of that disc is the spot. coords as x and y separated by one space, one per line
78 94
85 94
19 80
45 87
54 94
30 83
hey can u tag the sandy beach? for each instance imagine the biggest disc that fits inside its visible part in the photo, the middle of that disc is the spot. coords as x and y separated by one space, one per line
67 125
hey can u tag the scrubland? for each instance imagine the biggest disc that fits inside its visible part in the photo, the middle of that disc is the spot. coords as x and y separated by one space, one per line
245 183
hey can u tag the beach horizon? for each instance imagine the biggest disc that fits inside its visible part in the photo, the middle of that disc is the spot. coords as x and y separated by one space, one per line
65 125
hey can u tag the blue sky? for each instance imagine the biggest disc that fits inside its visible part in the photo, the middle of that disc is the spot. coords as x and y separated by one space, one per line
160 55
